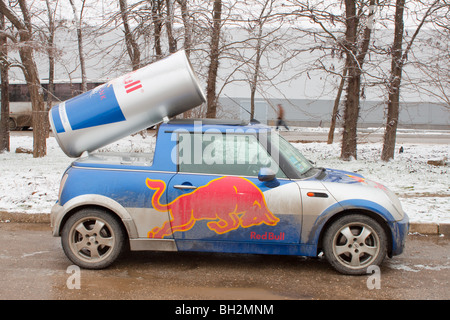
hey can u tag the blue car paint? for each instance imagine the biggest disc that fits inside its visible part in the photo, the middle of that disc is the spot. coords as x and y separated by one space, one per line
125 187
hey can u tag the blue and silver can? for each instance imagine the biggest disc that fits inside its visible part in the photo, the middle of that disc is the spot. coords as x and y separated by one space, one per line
126 105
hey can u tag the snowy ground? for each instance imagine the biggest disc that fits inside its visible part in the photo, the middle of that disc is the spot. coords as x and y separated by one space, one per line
29 185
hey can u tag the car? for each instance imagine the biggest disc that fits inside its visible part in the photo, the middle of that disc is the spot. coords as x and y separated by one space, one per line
224 186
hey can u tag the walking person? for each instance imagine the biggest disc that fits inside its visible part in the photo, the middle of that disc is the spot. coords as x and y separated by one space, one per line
280 121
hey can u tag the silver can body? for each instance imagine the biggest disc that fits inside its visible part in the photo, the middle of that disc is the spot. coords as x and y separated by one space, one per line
126 105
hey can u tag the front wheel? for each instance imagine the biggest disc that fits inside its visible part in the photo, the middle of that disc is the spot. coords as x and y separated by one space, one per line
92 238
353 243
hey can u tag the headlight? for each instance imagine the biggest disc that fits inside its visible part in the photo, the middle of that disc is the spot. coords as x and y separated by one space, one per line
395 202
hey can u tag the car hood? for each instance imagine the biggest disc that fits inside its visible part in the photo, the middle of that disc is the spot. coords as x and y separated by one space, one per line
344 185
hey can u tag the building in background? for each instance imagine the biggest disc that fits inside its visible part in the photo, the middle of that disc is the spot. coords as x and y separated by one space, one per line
307 97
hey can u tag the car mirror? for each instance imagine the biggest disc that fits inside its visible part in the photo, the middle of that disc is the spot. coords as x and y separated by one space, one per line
268 176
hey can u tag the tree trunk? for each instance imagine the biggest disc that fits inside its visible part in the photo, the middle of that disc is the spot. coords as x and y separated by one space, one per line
4 124
31 75
132 47
336 108
254 81
39 114
187 26
356 54
351 113
214 61
157 25
394 85
80 44
37 101
398 60
51 62
169 27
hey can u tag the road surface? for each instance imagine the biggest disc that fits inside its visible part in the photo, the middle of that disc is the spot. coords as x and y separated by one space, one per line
33 266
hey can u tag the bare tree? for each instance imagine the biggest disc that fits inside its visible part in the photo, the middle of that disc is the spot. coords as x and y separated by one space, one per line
24 26
214 53
49 34
133 49
4 124
355 53
398 60
78 18
355 19
263 17
51 53
433 72
169 26
335 113
187 26
157 18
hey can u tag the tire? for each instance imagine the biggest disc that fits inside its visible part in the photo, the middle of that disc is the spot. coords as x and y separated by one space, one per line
12 124
93 238
353 243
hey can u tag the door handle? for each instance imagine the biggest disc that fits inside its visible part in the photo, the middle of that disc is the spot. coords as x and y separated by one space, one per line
184 186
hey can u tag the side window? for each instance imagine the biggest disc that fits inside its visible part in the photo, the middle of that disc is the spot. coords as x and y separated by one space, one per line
227 154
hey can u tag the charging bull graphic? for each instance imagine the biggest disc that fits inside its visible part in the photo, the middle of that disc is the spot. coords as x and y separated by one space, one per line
229 202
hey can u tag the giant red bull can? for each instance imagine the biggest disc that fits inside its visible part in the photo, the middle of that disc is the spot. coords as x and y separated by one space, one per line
126 105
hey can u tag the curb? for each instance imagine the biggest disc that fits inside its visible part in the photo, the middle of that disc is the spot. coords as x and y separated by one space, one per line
6 217
431 228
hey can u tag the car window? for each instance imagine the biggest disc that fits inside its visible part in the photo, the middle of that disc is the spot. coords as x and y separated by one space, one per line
293 155
227 154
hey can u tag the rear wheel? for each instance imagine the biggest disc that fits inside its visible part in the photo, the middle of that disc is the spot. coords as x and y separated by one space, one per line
12 124
353 243
93 238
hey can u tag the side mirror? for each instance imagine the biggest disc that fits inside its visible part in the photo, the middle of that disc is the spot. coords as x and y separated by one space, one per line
269 177
266 174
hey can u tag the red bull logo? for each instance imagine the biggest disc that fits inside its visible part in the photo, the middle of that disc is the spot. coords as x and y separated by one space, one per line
130 84
228 202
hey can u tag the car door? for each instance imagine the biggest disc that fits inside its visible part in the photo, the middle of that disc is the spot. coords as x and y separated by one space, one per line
216 196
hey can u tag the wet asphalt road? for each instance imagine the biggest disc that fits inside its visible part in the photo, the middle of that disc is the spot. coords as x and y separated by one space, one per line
33 266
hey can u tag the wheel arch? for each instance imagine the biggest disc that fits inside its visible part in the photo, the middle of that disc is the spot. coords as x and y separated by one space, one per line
370 213
100 202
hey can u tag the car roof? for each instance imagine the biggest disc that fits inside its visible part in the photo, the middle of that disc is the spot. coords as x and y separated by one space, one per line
207 121
217 124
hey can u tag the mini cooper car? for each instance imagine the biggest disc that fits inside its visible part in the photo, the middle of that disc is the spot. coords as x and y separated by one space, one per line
224 186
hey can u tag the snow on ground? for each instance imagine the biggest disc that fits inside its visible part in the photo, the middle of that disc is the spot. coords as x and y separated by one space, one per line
29 185
423 189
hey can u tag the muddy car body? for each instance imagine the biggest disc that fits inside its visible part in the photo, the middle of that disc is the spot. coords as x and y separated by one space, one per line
224 186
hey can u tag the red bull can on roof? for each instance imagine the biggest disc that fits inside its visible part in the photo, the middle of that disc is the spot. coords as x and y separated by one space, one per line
126 105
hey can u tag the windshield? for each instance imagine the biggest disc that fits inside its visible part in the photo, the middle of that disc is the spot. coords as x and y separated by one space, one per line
291 154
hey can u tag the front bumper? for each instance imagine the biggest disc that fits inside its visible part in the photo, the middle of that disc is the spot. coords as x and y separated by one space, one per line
56 215
399 230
